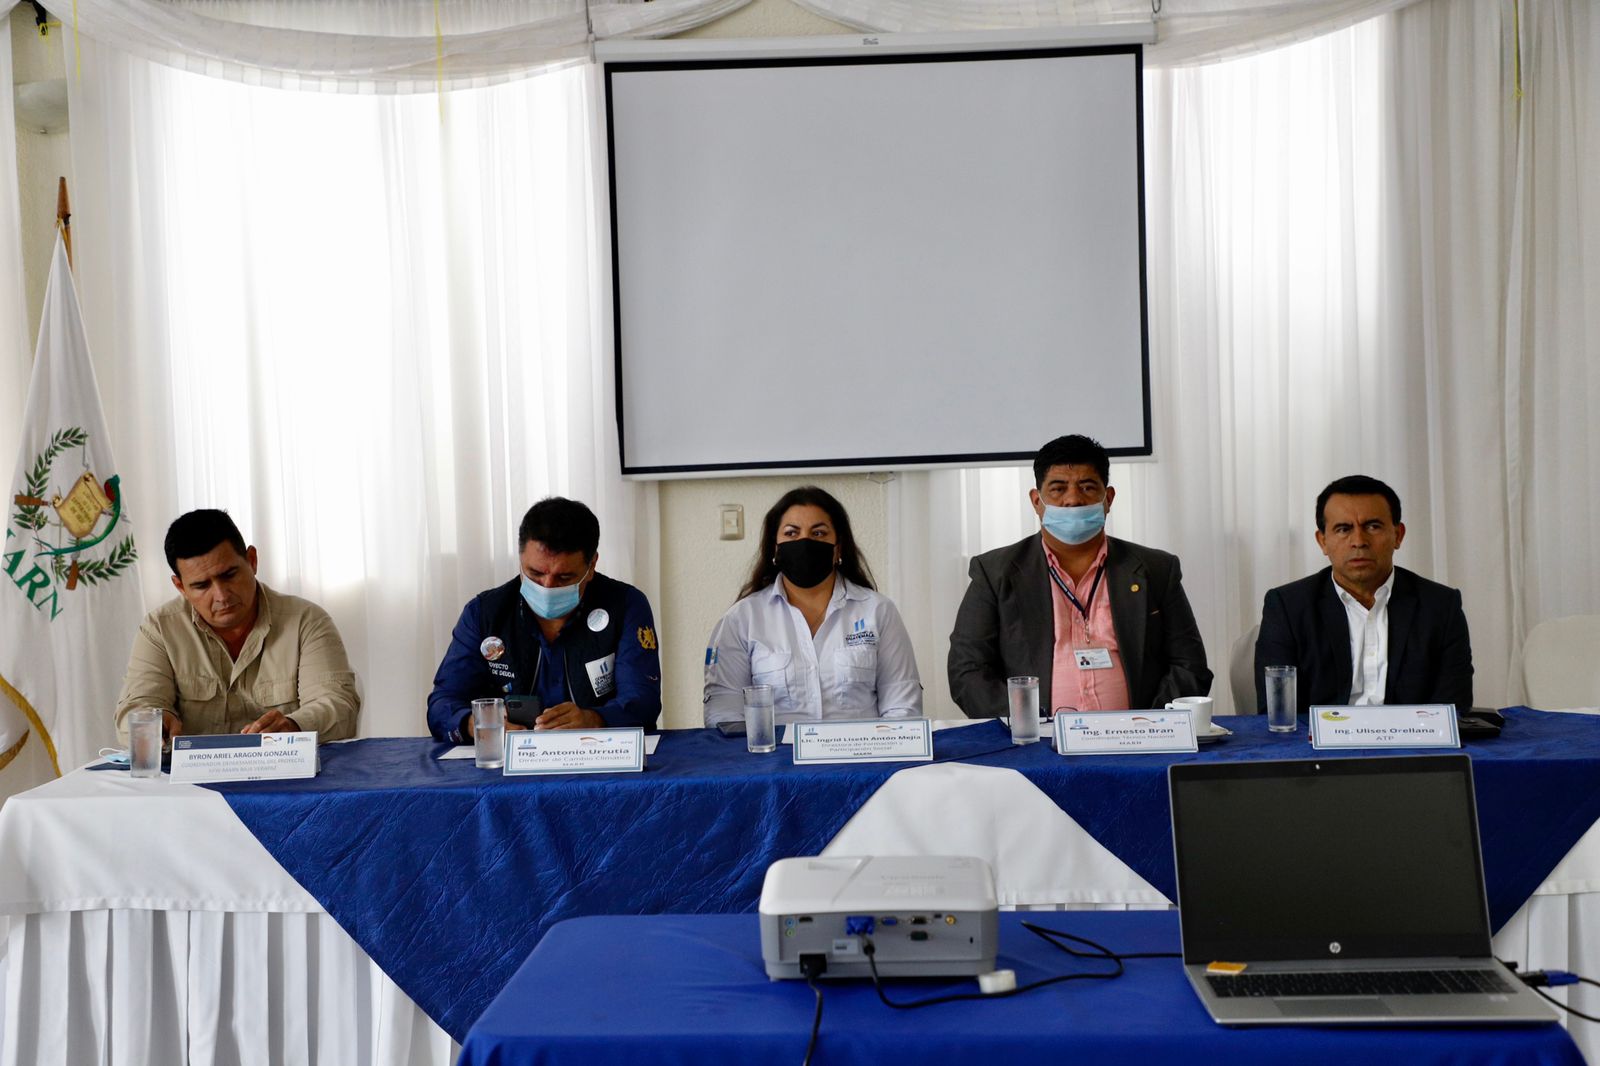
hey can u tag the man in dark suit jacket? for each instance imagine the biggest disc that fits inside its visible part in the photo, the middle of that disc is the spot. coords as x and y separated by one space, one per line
1006 625
1409 633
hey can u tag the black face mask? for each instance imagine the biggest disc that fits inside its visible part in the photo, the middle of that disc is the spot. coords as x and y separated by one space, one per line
806 563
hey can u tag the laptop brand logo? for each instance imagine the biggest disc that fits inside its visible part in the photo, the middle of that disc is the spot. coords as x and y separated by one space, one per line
1334 948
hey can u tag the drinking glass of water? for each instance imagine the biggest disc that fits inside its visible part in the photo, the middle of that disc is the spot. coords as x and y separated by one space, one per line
760 726
144 741
489 733
1281 699
1023 694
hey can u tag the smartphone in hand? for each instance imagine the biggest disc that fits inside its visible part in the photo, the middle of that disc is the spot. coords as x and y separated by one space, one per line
523 710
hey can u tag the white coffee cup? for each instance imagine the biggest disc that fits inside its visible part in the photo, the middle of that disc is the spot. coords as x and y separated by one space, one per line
1199 708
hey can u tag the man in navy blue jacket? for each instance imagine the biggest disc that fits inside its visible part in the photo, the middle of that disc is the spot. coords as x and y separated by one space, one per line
580 644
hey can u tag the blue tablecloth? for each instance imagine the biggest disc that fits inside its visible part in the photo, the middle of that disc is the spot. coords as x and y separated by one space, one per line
447 875
635 991
1538 788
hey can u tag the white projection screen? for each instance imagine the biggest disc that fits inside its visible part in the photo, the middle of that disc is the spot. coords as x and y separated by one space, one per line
882 261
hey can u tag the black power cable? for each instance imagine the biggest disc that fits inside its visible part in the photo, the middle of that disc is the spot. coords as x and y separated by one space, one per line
1102 952
812 966
816 1021
1539 980
1553 1001
1054 937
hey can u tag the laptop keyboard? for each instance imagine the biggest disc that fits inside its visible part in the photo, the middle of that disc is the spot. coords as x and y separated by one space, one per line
1359 983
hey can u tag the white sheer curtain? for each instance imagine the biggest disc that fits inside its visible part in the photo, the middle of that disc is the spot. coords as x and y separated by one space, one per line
1187 31
365 324
15 355
377 46
1552 321
1270 374
368 46
1367 253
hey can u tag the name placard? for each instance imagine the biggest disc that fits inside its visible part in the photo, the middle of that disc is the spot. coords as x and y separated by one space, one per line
245 757
864 740
1124 732
575 751
1400 725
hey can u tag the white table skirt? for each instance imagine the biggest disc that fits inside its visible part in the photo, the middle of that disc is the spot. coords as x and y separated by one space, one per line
207 988
319 999
1553 932
123 949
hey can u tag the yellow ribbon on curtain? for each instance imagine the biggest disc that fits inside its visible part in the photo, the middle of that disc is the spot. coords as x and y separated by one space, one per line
438 58
1516 46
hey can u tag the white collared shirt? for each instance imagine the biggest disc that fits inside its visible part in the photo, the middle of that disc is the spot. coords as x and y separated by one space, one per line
1369 643
858 665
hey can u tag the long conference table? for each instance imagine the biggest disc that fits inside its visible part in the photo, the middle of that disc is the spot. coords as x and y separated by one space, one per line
654 990
370 915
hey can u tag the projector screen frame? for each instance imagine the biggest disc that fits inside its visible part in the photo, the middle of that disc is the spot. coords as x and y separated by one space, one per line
641 56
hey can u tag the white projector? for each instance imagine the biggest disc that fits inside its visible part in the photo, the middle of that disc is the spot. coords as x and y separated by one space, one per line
923 915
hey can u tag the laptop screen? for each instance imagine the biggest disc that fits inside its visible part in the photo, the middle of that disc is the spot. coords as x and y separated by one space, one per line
1328 859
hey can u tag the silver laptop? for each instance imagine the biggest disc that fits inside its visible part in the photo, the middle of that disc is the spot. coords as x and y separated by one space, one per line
1350 890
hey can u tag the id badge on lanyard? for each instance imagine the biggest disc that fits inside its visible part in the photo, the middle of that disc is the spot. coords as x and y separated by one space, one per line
1092 657
1088 655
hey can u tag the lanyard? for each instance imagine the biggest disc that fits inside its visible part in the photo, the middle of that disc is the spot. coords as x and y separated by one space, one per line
1083 608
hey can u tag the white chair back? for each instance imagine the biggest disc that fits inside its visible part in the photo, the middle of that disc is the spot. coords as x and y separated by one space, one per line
1561 663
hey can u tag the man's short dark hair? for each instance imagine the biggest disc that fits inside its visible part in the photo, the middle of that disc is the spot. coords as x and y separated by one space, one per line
561 525
1356 485
196 533
1072 450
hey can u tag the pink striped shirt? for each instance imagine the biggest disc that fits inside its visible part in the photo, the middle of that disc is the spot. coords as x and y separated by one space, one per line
1086 690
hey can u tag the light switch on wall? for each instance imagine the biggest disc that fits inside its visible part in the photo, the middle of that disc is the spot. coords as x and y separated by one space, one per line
732 521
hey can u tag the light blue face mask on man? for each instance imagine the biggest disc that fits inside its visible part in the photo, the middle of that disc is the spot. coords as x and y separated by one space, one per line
552 603
1075 525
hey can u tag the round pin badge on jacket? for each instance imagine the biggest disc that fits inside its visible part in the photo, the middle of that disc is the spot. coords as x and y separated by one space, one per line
598 619
492 648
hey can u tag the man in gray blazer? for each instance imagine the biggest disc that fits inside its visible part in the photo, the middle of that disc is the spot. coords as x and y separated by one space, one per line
1102 623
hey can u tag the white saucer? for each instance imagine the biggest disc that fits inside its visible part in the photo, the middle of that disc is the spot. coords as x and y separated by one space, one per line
1217 733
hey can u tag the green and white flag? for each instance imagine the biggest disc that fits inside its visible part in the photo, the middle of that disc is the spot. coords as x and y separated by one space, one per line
70 600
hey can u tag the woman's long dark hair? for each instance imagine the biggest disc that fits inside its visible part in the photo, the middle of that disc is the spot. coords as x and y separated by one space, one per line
851 564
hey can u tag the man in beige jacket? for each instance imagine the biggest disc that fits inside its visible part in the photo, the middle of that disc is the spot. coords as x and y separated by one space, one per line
232 656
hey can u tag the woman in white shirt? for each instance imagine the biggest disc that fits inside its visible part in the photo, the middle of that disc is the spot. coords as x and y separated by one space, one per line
810 624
